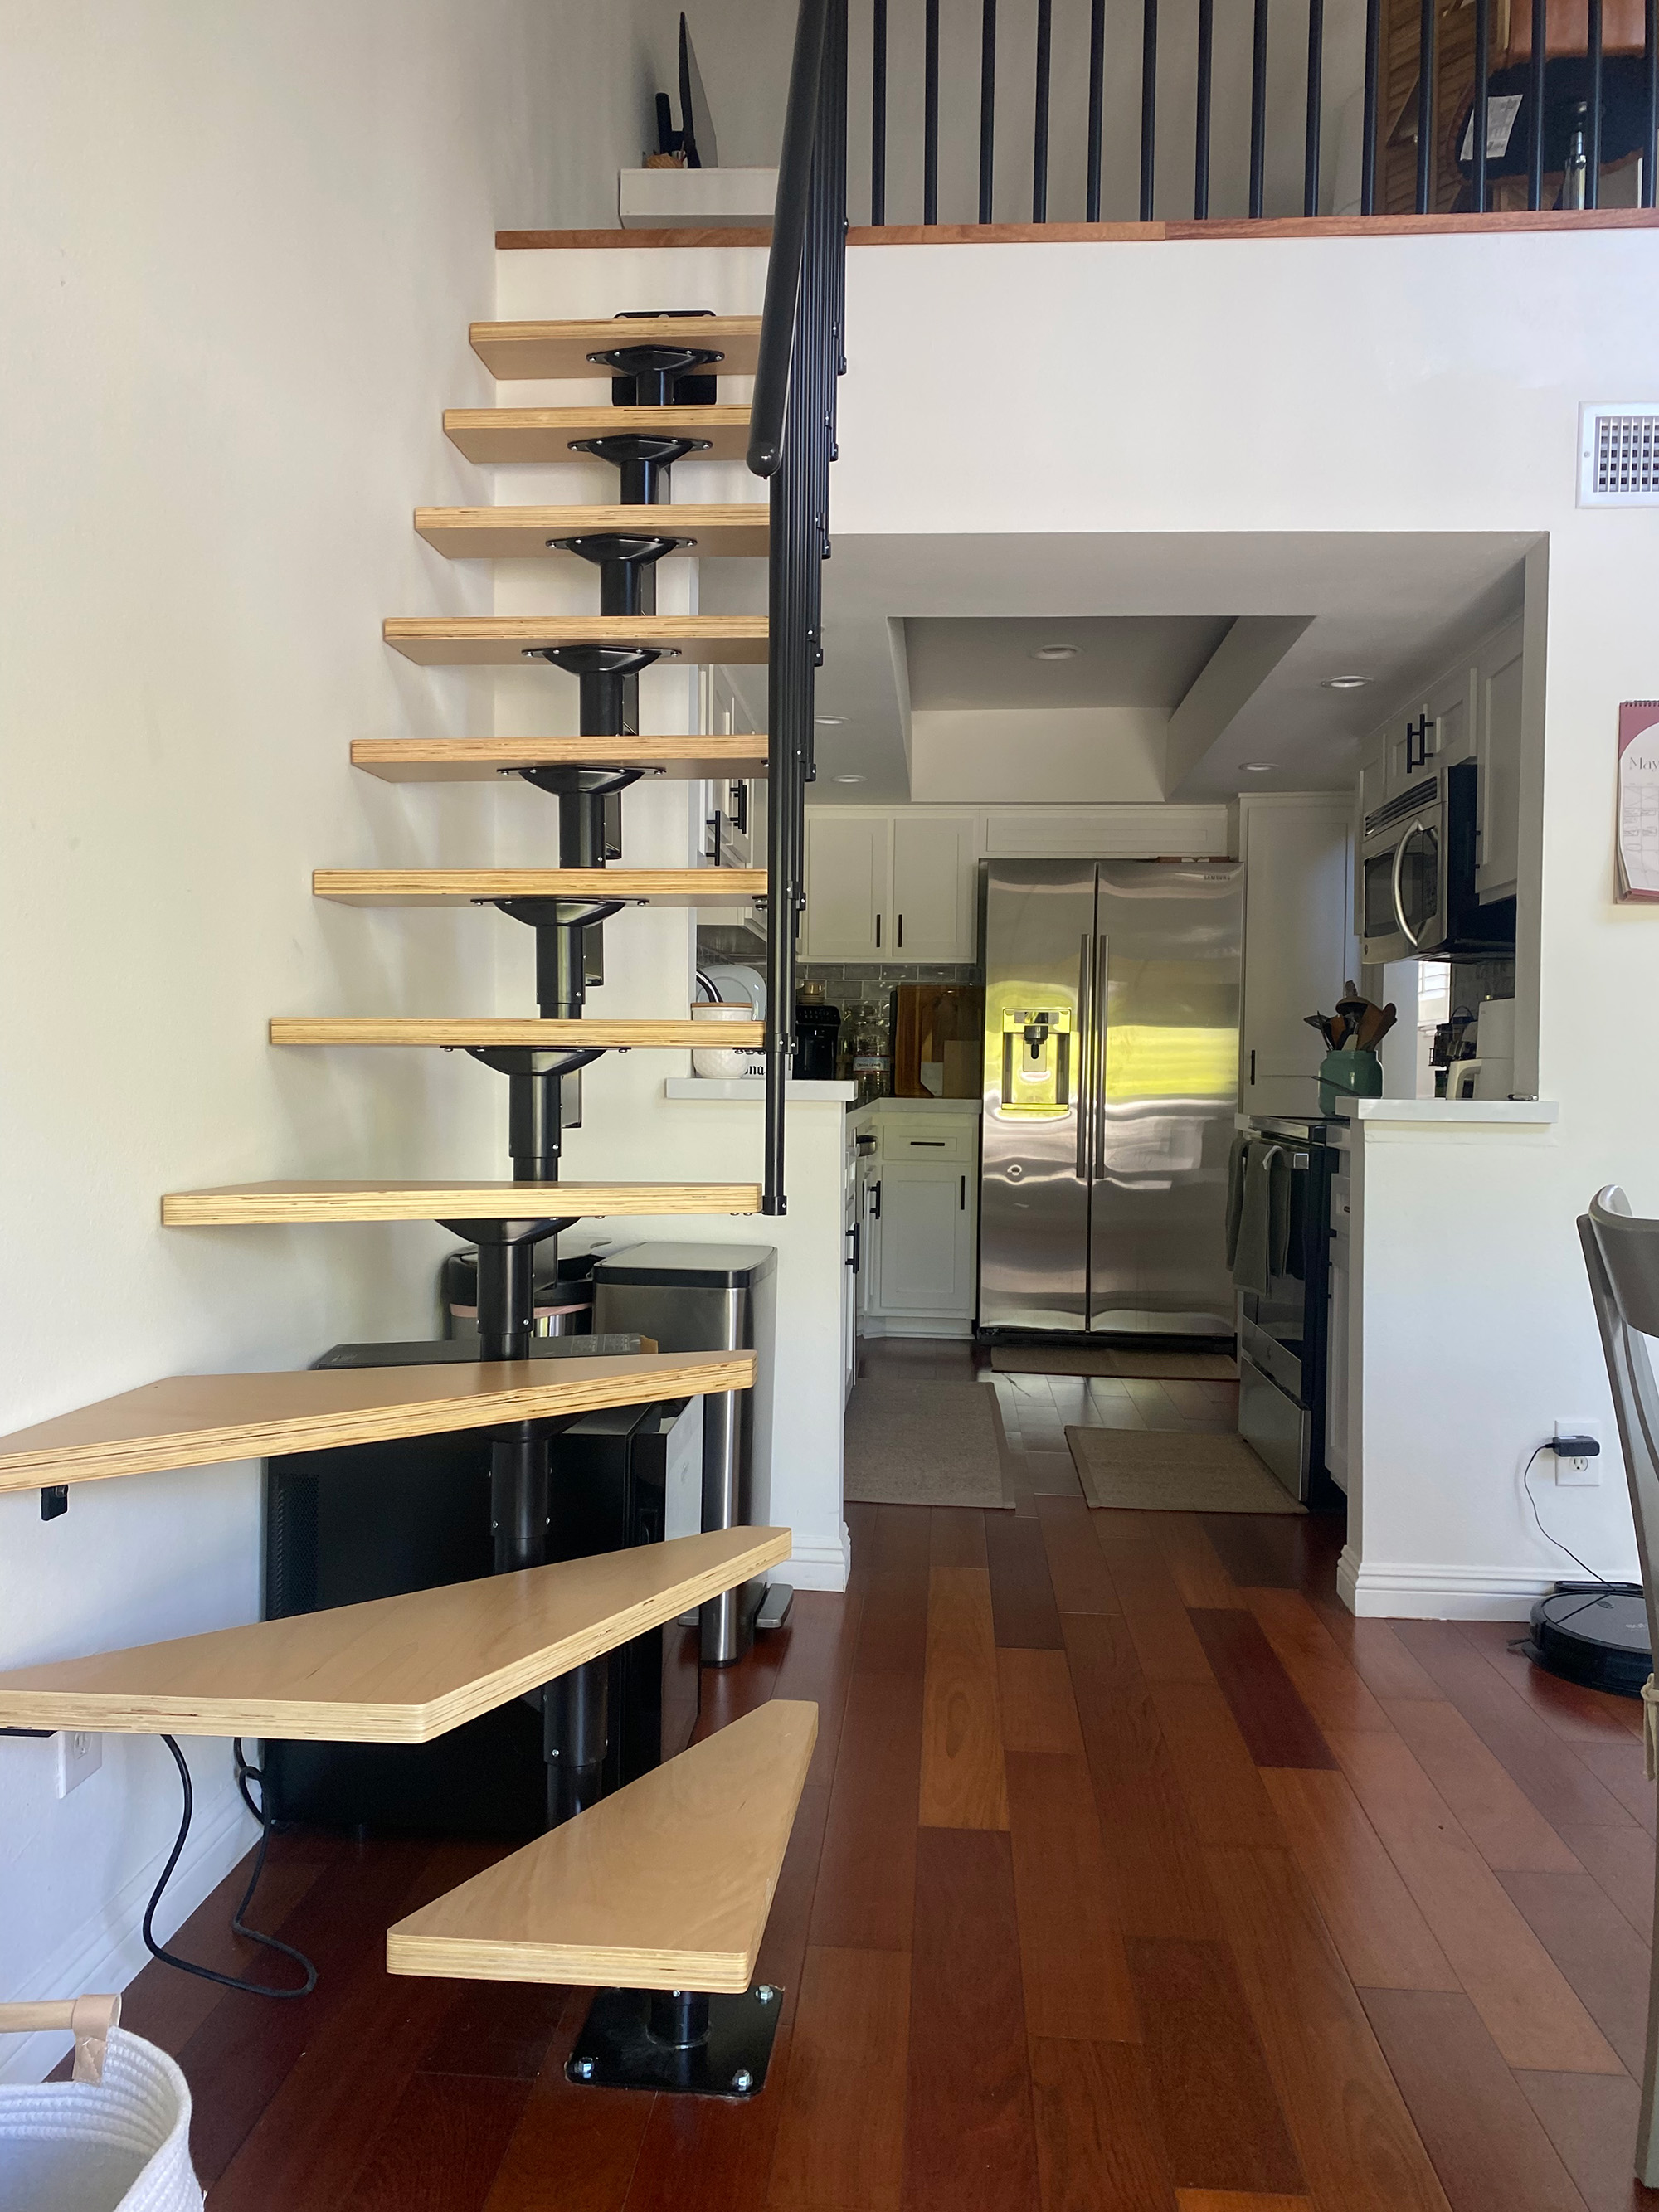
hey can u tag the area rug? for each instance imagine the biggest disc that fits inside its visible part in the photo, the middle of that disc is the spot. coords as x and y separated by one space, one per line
1174 1471
921 1443
1127 1365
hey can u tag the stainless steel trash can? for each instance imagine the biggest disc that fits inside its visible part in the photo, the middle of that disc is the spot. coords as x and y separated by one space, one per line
701 1298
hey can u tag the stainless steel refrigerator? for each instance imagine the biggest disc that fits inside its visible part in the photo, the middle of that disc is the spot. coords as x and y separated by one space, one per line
1111 1085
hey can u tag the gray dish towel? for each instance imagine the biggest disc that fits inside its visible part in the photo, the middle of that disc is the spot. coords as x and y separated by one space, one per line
1263 1242
1236 1160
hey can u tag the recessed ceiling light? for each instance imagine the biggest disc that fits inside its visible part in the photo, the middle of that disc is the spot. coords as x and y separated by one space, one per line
829 721
1343 683
847 779
1258 768
1056 652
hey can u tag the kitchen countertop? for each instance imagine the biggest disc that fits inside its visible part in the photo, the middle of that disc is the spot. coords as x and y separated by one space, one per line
961 1108
749 1089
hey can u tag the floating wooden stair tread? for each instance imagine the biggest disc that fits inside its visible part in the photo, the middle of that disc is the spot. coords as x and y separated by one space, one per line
396 1670
665 1885
204 1420
481 760
547 434
560 349
502 533
427 887
460 1032
501 641
278 1203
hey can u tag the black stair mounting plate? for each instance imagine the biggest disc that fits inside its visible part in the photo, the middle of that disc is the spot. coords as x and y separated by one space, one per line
616 2050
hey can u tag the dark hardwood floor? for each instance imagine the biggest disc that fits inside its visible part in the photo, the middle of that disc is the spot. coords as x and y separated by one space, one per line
1132 1875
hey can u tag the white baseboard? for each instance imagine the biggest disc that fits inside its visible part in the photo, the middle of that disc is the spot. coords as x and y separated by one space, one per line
819 1563
106 1950
1408 1590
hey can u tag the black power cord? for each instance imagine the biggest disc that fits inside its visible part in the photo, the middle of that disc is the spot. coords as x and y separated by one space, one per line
1602 1586
268 1943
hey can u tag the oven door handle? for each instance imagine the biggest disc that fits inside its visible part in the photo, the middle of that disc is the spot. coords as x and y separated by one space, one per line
1406 929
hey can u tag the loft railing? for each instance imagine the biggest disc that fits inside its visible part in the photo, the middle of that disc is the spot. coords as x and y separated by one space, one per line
1460 100
791 442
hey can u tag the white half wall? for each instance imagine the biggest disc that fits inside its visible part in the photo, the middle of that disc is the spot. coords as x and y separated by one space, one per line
242 248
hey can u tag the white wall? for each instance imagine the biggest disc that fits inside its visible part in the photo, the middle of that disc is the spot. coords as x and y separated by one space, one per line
1343 392
242 249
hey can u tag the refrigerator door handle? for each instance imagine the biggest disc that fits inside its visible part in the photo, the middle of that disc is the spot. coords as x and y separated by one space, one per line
1098 1087
1080 1044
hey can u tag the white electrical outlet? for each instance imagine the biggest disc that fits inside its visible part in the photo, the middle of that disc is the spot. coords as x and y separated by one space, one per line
79 1754
1579 1473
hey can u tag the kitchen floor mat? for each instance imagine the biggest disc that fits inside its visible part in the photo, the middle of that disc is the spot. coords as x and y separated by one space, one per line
921 1443
1126 1366
1174 1471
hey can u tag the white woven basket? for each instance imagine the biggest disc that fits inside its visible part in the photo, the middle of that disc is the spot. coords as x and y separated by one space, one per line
115 2139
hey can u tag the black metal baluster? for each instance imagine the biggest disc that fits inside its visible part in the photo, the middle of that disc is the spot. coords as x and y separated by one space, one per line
1478 118
878 117
1316 95
1535 105
930 117
987 105
1426 27
1648 196
1368 148
1201 120
1593 132
1258 110
1098 106
1040 118
1148 105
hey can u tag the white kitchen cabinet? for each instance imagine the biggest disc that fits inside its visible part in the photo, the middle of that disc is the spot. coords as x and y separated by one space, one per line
925 1262
920 1216
1299 947
932 888
849 864
1429 735
1497 748
895 886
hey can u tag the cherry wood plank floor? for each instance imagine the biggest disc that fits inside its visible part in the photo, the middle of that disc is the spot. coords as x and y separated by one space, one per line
1131 1876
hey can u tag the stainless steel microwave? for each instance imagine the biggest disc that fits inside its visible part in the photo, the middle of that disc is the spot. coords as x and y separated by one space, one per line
1419 900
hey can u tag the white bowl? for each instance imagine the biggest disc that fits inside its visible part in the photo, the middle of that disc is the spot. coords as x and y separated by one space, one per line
721 1063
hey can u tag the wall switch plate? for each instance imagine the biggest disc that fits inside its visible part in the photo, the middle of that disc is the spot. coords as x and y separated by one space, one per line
79 1754
1580 1473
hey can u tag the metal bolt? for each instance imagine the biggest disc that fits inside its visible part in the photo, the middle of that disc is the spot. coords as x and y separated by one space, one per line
766 1993
582 2070
743 2080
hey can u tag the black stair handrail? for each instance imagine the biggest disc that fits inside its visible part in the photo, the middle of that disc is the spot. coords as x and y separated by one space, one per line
792 444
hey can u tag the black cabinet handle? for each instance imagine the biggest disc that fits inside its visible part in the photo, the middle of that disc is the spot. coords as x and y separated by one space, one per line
854 1258
740 797
878 932
899 947
963 1208
875 1198
1253 1064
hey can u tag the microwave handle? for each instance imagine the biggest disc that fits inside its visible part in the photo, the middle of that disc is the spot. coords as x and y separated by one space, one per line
1406 929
